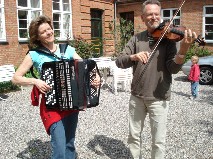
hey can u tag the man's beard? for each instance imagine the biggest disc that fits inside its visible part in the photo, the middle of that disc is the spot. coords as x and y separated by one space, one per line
153 25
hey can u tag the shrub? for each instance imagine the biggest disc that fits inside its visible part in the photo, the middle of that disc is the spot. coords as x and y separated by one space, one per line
198 51
83 48
122 33
29 75
7 87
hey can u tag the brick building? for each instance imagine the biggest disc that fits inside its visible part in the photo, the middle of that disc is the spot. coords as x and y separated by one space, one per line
86 18
195 14
90 19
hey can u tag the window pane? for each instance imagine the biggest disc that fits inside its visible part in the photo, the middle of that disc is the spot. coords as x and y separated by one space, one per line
209 10
57 33
22 23
56 5
96 14
209 28
128 16
176 22
35 14
1 16
56 21
56 25
175 11
23 33
1 33
66 7
22 3
22 14
166 13
95 29
1 24
209 32
209 20
66 25
66 34
56 17
35 3
209 36
66 19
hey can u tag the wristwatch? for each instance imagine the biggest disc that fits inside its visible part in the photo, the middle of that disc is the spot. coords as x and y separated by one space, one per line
180 56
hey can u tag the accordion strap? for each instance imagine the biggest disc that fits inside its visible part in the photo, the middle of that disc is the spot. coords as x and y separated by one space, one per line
45 50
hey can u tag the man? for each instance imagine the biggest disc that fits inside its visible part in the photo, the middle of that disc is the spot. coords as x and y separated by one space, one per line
151 84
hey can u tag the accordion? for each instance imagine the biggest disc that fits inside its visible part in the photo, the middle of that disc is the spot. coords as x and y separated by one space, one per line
70 82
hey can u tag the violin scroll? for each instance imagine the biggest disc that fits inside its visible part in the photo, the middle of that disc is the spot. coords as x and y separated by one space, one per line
200 40
173 33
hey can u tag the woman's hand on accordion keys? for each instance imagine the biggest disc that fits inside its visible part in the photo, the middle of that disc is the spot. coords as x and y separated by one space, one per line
42 86
97 81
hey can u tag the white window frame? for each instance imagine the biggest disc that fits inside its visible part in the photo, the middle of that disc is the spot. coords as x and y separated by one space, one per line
2 27
171 14
204 23
62 35
29 11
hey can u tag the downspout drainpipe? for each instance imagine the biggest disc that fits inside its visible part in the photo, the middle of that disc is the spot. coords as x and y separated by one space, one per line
115 20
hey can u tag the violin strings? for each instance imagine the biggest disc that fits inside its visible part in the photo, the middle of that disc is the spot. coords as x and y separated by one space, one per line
159 40
151 54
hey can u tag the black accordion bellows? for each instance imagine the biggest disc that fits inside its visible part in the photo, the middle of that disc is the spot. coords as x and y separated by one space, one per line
70 81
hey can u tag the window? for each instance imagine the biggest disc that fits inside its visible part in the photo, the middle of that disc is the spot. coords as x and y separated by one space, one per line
2 22
208 23
62 19
96 30
167 14
27 11
128 17
96 23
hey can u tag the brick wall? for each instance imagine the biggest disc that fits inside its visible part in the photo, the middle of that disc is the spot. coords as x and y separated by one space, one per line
82 21
12 51
192 12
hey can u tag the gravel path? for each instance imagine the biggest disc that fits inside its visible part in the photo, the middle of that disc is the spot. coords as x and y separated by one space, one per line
102 131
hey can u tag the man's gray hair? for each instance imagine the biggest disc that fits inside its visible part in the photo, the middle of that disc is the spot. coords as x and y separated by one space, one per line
150 2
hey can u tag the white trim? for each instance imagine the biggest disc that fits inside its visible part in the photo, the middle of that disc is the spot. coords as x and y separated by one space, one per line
3 38
61 21
204 24
29 17
171 13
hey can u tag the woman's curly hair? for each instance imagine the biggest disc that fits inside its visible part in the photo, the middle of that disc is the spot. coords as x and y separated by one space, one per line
33 30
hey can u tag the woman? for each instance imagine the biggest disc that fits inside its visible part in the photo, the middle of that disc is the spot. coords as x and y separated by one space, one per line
60 125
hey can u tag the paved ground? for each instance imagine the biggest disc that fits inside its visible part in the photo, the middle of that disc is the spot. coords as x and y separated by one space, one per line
102 131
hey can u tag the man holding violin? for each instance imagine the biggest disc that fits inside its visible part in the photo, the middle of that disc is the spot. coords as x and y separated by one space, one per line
153 64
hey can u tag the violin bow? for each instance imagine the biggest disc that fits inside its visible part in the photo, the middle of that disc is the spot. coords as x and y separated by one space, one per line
167 28
151 54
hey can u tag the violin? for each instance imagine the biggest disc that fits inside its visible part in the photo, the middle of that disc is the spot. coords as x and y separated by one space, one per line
173 33
169 31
